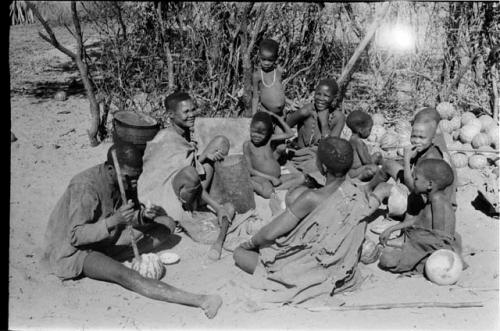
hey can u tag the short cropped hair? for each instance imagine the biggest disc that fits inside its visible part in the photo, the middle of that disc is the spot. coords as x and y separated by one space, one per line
330 83
427 115
358 120
127 154
174 99
437 170
265 118
270 45
336 154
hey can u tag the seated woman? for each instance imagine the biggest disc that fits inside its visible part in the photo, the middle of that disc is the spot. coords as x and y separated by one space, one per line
313 247
172 149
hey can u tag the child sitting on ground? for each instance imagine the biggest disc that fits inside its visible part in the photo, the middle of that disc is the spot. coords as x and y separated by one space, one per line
429 223
261 156
313 118
364 165
421 148
266 81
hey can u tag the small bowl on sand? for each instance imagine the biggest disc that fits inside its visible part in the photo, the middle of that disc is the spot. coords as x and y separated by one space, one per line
168 257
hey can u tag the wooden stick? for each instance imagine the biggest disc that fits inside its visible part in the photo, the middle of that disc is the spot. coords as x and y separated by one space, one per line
216 249
398 305
467 150
124 199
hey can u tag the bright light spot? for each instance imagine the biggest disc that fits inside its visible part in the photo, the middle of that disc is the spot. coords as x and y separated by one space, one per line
397 37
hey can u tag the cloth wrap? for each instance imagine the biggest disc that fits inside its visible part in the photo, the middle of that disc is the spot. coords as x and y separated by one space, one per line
321 254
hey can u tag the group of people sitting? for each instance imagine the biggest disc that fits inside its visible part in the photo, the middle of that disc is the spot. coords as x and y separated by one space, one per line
312 246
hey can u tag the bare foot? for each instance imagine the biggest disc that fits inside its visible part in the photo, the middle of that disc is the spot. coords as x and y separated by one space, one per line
211 305
214 254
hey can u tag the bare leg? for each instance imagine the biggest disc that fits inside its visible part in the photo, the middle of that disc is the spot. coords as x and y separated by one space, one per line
262 186
293 194
101 267
246 260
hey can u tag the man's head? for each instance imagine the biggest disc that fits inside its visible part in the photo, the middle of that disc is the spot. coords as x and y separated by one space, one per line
181 109
261 128
130 161
335 154
360 123
422 134
325 93
432 175
268 53
187 185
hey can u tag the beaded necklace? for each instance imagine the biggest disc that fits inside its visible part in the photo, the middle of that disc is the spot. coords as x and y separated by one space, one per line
262 78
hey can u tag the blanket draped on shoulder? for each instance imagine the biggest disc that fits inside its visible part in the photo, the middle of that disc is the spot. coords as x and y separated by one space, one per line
321 254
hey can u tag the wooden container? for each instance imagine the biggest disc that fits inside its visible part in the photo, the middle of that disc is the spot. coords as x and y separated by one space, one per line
231 183
134 128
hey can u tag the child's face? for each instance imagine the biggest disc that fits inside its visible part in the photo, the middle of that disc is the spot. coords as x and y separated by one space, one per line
421 136
420 183
259 133
184 115
267 59
365 132
323 97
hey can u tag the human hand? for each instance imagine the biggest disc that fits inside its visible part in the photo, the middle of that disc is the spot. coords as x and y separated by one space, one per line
248 245
224 212
123 215
217 155
409 152
275 181
384 236
152 211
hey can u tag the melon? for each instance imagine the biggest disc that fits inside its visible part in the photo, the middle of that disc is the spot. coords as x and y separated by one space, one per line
493 134
446 110
443 267
377 132
467 117
459 160
150 266
398 200
477 161
468 132
486 122
446 126
454 145
475 122
456 122
388 141
480 139
378 119
369 251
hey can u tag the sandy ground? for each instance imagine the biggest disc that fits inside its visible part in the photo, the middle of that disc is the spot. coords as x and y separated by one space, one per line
52 147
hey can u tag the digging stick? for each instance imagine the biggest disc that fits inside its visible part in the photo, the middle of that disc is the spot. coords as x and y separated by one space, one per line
466 150
215 250
398 305
124 199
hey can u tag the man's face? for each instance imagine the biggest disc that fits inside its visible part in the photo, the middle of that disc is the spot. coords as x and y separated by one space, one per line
267 60
184 115
323 97
421 136
130 176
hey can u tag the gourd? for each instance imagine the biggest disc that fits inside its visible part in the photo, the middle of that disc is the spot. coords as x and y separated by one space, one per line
446 126
377 132
389 140
445 110
459 160
443 267
467 117
378 119
475 122
477 161
486 122
60 96
456 122
403 127
493 133
398 200
149 266
369 251
467 133
480 139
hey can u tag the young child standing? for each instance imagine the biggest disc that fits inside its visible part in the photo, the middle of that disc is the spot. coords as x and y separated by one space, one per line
429 223
266 81
312 120
261 156
364 165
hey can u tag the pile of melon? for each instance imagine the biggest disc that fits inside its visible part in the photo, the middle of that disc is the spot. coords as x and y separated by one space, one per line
467 132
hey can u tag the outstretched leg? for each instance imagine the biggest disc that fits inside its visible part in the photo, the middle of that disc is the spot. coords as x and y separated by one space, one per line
246 260
101 267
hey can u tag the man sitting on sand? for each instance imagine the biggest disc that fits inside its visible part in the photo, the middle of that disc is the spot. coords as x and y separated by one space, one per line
86 232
